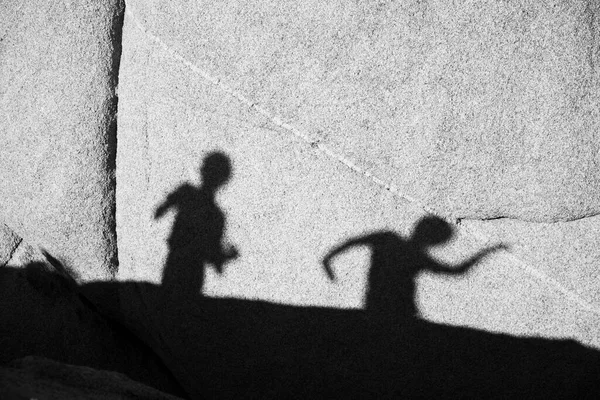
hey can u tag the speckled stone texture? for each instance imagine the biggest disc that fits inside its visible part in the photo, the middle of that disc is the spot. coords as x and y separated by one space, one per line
564 258
479 109
344 120
176 109
58 72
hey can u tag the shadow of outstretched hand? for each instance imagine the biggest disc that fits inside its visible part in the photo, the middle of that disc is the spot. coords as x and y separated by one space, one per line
327 267
229 253
493 249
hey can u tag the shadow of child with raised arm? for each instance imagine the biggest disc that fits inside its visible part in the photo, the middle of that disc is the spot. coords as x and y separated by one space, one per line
396 262
197 234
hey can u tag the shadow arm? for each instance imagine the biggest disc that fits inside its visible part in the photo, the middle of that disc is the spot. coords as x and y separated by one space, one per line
340 249
164 207
466 265
223 256
160 210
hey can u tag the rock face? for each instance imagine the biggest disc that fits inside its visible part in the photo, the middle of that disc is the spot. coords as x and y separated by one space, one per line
39 378
257 83
479 110
343 127
58 73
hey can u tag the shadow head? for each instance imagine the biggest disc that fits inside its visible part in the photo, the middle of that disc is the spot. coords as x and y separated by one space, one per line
215 170
432 231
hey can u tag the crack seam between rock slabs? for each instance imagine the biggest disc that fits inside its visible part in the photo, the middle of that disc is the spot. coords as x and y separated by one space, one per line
317 145
18 243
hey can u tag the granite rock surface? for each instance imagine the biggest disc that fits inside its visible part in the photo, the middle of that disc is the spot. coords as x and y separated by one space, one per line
58 75
477 109
288 197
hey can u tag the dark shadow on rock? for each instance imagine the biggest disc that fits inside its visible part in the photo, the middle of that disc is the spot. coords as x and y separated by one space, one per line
231 348
43 313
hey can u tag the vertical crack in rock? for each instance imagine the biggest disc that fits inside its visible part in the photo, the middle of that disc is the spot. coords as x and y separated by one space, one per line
116 37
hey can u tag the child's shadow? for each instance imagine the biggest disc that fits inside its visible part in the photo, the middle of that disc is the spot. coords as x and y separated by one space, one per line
396 262
197 233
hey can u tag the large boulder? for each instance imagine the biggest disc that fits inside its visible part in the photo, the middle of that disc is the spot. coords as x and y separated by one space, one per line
58 76
188 89
477 109
270 91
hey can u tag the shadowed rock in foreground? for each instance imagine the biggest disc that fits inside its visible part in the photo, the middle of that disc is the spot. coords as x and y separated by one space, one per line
43 314
228 348
40 378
